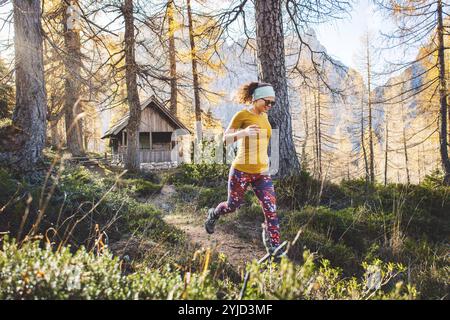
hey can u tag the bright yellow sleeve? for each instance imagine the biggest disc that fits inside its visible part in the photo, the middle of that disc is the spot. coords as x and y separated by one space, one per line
236 122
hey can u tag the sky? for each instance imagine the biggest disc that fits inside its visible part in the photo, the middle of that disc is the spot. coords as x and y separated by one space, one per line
341 38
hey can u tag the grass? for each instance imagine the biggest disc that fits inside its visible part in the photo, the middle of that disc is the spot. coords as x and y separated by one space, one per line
349 223
74 210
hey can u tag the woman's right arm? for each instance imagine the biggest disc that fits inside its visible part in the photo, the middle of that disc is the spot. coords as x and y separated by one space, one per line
231 135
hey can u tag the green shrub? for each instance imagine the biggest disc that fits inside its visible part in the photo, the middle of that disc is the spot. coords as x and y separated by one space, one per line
206 175
433 180
138 186
32 272
187 193
307 281
211 197
35 273
8 185
81 200
145 188
153 177
40 272
301 189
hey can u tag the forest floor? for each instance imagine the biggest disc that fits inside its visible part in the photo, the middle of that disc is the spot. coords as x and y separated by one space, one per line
238 250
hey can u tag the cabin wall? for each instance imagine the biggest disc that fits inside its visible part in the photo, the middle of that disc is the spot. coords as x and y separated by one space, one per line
152 121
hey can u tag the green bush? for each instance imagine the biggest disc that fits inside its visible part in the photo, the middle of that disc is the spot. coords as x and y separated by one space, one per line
32 272
187 193
81 199
153 177
35 273
347 237
41 272
345 224
308 281
135 187
211 197
433 180
206 175
144 188
8 185
295 191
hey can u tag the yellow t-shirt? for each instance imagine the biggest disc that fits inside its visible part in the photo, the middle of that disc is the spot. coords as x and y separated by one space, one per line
252 151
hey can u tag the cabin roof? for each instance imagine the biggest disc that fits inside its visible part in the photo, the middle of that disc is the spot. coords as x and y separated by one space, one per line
122 123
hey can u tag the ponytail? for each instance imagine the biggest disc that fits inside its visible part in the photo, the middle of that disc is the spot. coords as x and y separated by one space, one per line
245 92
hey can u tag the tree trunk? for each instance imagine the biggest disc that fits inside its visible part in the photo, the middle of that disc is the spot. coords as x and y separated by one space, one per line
386 147
369 104
316 140
72 84
198 113
172 58
29 117
306 124
272 69
53 124
405 149
132 162
319 132
443 97
363 142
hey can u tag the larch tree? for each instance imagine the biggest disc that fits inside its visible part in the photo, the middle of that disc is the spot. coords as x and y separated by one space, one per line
423 25
132 161
73 108
27 134
272 69
366 57
172 56
195 80
273 18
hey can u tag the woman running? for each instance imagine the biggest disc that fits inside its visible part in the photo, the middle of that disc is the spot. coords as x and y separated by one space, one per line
252 129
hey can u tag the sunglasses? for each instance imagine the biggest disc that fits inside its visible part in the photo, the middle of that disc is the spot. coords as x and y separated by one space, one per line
268 102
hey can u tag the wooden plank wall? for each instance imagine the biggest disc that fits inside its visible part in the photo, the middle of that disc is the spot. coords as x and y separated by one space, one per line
152 121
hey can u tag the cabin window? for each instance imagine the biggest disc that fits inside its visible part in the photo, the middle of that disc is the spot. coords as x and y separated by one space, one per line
144 140
161 140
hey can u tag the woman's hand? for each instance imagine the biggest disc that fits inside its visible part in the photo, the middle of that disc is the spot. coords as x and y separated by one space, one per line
231 135
252 130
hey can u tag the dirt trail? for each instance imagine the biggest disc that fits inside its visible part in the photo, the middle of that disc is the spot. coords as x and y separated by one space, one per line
237 250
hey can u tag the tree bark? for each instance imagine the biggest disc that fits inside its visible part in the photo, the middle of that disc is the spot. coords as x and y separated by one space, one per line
316 140
55 140
72 86
363 142
306 124
386 147
319 127
29 116
132 162
172 58
443 142
272 69
198 113
405 149
369 104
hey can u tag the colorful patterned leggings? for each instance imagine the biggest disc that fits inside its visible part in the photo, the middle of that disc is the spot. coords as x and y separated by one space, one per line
262 185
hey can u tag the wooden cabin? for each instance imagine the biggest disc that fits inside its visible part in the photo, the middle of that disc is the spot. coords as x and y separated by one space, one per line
155 134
